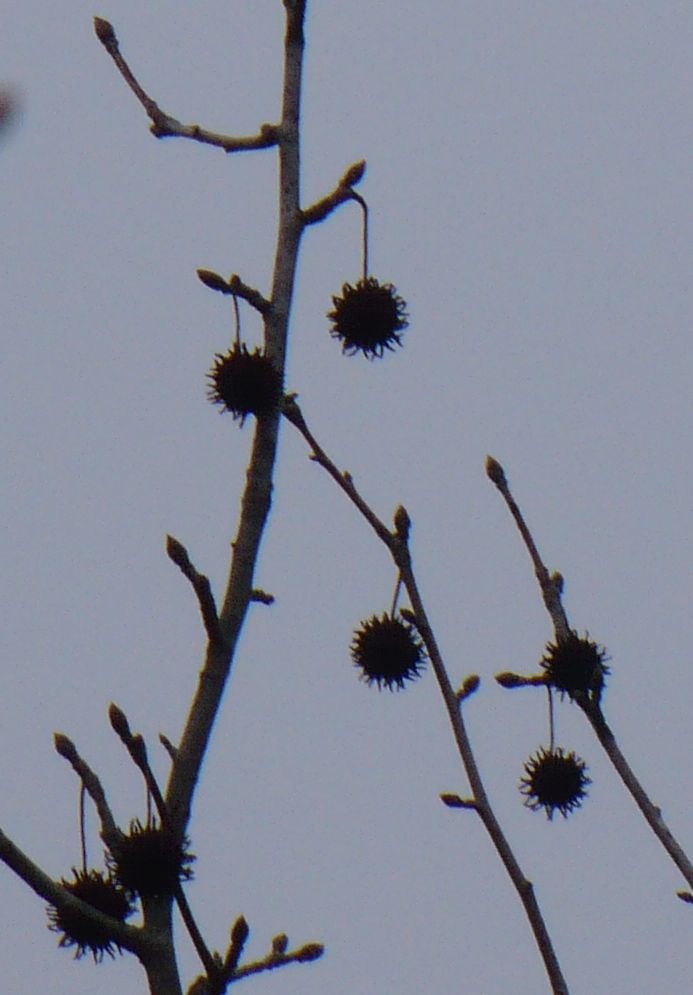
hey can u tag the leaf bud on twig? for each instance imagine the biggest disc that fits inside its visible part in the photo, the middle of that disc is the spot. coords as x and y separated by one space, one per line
509 680
65 747
279 944
354 174
104 31
213 281
495 472
311 951
468 687
402 523
119 722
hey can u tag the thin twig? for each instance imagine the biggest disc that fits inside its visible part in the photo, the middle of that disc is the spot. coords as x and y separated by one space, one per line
305 954
129 937
551 586
342 478
239 937
168 746
163 124
397 544
208 962
551 589
201 586
136 747
256 499
343 192
67 749
249 294
651 812
234 285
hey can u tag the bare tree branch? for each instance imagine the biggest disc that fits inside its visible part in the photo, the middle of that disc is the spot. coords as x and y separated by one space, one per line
201 586
551 588
67 749
551 585
163 124
342 192
256 499
234 285
397 544
129 937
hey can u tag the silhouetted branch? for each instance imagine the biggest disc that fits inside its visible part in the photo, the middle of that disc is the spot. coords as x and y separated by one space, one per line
398 545
136 747
234 285
67 749
551 585
168 746
164 125
342 192
551 589
201 586
278 958
129 937
256 498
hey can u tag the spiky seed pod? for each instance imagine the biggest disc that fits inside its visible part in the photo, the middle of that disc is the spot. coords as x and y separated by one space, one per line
368 317
149 862
245 383
102 893
554 780
388 652
575 664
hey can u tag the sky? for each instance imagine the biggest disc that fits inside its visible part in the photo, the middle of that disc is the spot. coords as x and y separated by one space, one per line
530 187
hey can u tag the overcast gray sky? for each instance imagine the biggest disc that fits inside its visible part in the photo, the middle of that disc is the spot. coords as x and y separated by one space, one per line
529 178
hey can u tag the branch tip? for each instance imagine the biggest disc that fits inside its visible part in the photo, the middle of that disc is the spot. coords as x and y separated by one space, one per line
119 722
402 523
263 597
496 473
213 280
168 746
138 749
310 951
468 687
105 32
507 679
558 582
455 801
177 552
240 931
64 746
354 174
280 942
